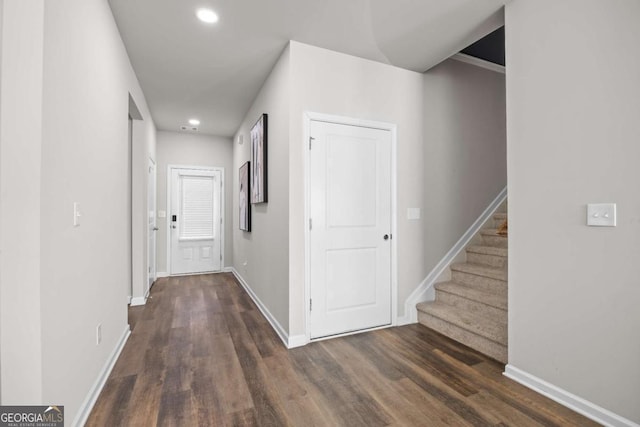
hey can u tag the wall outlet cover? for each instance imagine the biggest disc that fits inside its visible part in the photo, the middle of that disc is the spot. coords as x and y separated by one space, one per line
601 214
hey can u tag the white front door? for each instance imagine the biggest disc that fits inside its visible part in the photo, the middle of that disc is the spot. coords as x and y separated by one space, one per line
195 220
152 227
350 236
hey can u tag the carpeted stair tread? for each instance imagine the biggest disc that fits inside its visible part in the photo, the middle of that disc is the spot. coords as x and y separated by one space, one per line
492 232
481 270
479 325
488 250
497 300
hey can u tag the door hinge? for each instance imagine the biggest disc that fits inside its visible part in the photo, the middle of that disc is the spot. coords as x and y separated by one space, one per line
310 139
310 304
310 224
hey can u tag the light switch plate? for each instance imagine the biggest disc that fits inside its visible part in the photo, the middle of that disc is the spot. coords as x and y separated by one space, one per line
601 214
413 213
76 214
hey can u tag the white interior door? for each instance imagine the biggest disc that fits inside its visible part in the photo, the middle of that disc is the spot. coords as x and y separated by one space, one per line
152 226
350 213
195 220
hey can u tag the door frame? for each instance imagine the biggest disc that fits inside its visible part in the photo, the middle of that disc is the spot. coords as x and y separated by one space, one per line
222 211
151 234
308 117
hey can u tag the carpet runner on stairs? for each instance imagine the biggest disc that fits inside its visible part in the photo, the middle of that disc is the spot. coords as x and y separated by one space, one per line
472 307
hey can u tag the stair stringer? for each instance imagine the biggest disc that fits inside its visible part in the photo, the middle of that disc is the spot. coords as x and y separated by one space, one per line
425 291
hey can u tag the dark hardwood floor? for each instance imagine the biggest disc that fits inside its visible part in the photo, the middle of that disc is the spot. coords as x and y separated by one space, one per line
201 354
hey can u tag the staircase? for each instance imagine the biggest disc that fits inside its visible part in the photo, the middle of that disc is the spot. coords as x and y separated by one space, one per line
472 307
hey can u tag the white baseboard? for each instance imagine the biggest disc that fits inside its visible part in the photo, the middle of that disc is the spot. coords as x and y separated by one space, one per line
161 274
94 392
227 270
425 291
404 320
135 301
264 310
570 400
297 341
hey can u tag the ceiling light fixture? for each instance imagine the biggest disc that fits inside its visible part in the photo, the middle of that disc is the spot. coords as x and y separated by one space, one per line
194 122
207 15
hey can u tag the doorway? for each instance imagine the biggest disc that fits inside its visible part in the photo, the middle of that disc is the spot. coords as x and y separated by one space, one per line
350 206
196 219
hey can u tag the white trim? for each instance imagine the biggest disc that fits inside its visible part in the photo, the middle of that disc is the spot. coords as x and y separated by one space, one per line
565 398
307 118
297 341
152 275
222 213
162 274
263 309
346 334
424 291
227 270
136 301
94 392
462 57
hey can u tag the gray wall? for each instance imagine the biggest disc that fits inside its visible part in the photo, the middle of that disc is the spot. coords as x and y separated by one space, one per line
261 257
21 189
573 103
334 83
465 158
174 148
68 144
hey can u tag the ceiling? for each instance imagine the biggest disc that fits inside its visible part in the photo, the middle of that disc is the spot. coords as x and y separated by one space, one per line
188 69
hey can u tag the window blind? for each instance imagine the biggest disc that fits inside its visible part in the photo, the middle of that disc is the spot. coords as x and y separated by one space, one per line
196 207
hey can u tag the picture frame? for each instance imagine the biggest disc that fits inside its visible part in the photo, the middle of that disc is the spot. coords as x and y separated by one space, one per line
244 207
259 139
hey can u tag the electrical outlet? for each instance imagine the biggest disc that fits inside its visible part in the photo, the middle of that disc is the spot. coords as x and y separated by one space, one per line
99 334
601 214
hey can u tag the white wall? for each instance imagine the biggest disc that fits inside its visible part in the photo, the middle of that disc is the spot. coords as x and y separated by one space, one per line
261 257
67 279
573 103
174 148
334 83
20 195
465 159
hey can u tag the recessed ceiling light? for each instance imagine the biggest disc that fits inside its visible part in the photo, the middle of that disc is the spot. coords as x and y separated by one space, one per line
207 15
194 122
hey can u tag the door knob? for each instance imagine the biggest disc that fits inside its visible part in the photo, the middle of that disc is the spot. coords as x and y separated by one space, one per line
173 226
155 229
386 237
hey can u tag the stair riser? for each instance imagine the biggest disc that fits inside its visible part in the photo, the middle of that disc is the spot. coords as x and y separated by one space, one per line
484 259
481 282
481 344
471 306
495 240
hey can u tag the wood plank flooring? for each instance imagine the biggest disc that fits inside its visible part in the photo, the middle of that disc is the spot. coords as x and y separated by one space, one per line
202 354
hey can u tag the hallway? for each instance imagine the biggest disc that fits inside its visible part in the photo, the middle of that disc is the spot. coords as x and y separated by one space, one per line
201 353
